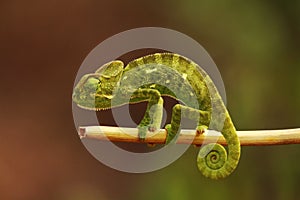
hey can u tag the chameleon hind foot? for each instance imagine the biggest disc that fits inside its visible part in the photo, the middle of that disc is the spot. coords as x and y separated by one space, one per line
180 111
201 129
170 136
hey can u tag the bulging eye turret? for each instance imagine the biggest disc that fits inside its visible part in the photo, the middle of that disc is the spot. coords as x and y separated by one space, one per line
91 84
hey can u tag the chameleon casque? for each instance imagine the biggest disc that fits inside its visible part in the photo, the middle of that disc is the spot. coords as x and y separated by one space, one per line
149 78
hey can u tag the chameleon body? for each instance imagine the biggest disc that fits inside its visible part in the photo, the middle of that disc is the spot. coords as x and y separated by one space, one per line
148 79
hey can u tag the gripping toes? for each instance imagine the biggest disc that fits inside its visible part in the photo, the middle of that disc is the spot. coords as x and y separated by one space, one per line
144 129
142 132
170 134
201 129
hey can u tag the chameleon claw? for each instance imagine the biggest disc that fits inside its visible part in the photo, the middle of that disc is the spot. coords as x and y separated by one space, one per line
201 129
142 131
153 128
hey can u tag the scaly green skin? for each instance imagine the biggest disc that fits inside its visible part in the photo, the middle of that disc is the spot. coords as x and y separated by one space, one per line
148 79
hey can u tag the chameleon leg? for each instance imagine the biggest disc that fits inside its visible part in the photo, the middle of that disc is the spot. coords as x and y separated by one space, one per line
203 118
156 113
153 115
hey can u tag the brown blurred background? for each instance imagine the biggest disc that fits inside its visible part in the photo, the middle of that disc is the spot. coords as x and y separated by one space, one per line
42 44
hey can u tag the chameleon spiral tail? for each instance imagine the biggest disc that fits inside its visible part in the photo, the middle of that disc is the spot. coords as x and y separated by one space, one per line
213 161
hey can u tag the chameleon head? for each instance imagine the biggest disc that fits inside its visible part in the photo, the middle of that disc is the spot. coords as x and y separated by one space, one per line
95 91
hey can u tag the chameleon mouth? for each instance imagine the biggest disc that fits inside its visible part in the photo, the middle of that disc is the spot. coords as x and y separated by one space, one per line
87 108
92 108
89 104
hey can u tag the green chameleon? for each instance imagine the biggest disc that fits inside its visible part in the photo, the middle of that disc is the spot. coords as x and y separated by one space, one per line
148 79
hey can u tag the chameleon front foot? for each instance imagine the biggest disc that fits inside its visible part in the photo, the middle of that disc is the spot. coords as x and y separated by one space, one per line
142 132
144 129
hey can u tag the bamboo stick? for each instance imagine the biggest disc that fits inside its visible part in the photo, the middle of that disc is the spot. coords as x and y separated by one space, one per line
247 138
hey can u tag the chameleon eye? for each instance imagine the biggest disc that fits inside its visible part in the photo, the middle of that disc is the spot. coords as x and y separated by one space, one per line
92 83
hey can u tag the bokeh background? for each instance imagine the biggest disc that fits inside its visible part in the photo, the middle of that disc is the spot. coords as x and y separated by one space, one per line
255 44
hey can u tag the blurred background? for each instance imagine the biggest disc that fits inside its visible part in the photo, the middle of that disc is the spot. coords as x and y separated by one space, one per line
255 44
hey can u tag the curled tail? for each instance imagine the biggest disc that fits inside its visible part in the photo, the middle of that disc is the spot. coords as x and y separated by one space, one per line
213 161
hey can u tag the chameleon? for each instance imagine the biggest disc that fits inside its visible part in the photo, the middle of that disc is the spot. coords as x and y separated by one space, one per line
151 77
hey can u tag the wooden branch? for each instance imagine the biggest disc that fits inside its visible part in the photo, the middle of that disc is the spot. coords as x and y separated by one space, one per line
247 138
